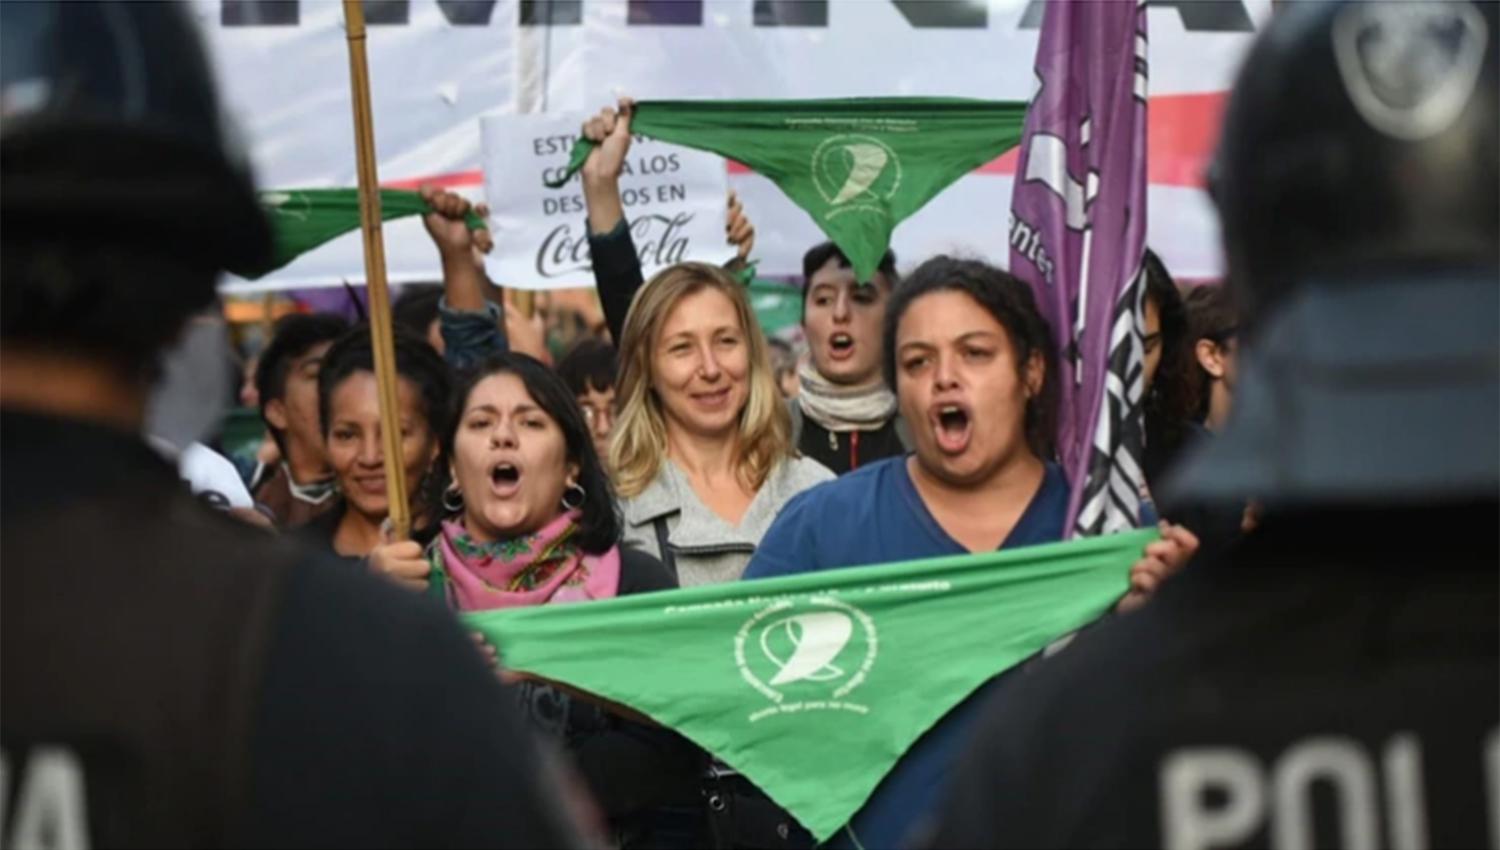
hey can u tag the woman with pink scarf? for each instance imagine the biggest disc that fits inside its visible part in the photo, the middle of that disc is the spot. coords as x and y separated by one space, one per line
531 520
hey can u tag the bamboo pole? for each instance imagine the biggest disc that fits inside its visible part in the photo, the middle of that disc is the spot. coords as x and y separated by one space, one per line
381 338
525 301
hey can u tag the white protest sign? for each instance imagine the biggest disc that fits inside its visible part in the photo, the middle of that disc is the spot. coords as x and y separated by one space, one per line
674 199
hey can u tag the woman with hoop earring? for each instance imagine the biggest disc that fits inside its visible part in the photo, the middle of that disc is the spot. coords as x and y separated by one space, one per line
531 520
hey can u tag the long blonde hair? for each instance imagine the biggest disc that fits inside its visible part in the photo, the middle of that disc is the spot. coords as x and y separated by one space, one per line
639 445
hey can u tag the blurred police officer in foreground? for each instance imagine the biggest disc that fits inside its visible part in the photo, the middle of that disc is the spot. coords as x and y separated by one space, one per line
1334 681
168 676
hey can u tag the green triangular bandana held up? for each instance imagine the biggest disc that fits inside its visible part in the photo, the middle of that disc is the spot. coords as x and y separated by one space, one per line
303 219
858 166
814 685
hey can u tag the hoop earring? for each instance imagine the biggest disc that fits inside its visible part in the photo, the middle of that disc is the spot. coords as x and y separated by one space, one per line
453 499
578 500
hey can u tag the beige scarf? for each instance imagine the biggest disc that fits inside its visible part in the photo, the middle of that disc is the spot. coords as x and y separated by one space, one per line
841 408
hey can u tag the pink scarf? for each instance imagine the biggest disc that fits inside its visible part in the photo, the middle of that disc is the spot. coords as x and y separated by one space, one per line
543 567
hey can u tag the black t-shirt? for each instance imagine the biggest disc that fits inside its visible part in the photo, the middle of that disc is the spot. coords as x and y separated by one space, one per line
1332 681
172 677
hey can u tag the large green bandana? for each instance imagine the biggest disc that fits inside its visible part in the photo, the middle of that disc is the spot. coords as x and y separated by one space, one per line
858 166
303 219
814 685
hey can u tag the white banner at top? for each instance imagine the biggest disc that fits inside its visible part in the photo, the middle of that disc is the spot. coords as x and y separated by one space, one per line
437 66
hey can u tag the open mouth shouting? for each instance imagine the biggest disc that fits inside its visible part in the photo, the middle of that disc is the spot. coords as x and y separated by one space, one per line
840 346
952 425
505 479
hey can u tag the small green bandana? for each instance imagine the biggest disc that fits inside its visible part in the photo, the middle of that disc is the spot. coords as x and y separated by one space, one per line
858 166
303 219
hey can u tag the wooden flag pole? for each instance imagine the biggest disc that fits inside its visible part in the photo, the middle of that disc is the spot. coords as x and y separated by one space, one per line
381 338
525 301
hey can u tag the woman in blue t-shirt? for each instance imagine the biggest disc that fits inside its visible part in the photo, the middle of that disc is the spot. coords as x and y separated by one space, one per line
970 358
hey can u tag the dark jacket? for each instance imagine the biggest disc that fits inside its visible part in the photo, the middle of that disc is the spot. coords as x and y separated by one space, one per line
846 451
171 677
274 492
617 275
1335 676
645 778
319 532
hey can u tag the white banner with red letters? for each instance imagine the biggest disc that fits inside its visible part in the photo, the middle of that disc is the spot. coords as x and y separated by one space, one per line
438 66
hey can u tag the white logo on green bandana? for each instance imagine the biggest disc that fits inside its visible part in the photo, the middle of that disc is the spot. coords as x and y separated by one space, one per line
855 172
815 640
806 655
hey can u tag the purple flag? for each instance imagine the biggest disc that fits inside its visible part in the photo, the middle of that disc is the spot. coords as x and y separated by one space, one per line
1077 234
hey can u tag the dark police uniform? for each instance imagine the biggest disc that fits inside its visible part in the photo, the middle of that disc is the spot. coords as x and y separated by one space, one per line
170 677
1336 679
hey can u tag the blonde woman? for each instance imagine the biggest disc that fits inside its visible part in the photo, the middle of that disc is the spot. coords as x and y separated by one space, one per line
702 451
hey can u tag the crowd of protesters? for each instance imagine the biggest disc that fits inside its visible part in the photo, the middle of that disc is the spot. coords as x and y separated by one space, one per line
922 426
677 446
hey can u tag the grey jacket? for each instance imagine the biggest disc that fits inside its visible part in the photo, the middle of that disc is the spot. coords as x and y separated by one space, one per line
706 549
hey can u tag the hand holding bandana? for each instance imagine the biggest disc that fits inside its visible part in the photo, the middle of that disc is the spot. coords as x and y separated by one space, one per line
858 166
303 219
806 683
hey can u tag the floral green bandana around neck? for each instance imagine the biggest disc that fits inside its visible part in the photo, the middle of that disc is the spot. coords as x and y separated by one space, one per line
546 566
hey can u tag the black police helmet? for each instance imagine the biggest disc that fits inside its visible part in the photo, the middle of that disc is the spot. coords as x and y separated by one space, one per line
110 127
1361 134
122 192
1357 183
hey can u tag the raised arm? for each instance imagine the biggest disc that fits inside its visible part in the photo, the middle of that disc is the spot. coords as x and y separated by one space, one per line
617 266
471 322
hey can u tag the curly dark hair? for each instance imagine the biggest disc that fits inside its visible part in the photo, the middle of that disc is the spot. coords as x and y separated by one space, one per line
1011 303
600 527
